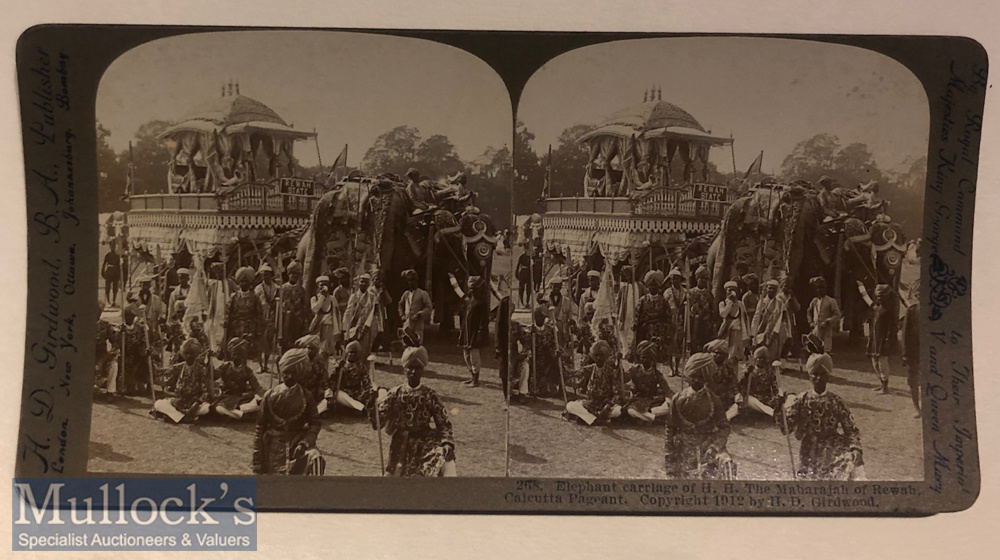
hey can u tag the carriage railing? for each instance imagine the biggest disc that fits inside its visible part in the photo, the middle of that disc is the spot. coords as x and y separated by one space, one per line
283 196
700 201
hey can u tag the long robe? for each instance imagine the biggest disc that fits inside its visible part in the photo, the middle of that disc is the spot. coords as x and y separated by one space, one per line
696 423
704 319
676 302
267 293
288 417
417 420
415 309
243 319
325 310
295 314
653 322
824 319
359 319
735 327
828 433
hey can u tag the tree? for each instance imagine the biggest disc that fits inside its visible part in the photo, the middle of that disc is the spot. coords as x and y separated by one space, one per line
393 152
569 160
150 158
436 157
492 181
528 172
111 174
808 156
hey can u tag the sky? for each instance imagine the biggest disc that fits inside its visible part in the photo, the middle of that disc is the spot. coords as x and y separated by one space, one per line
769 94
351 87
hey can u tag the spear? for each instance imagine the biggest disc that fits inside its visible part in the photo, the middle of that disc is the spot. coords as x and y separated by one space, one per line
378 420
149 360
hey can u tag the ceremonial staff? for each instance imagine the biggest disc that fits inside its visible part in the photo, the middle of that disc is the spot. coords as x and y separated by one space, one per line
378 420
149 359
278 312
559 363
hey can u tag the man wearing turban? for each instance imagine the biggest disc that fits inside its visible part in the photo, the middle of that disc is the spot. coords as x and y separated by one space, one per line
831 441
415 306
134 358
267 293
359 318
416 419
735 328
650 391
881 336
676 296
285 436
326 322
759 386
193 386
294 308
603 392
721 379
824 313
545 374
240 391
697 429
350 384
244 312
704 319
313 377
652 321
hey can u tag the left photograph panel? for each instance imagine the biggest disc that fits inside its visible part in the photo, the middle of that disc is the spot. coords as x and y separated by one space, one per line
304 248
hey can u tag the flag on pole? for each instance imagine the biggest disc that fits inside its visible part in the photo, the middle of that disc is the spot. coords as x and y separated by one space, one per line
341 160
755 166
604 304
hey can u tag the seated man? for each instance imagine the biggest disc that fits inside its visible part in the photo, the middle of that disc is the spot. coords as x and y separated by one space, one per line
285 438
314 378
240 390
831 441
191 388
697 428
650 392
416 418
350 384
603 395
721 379
759 386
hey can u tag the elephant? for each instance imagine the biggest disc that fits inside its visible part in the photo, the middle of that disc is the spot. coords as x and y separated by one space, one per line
369 224
781 231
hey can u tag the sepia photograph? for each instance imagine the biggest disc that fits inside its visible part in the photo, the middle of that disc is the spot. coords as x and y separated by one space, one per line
304 241
717 263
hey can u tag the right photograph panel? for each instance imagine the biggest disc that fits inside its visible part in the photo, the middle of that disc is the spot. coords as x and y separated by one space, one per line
717 263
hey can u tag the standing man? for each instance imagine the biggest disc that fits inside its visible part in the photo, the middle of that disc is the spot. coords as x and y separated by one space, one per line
589 294
267 293
735 329
151 310
358 316
180 292
652 316
475 326
244 312
911 347
561 311
766 317
703 317
111 271
676 295
415 307
325 322
751 296
341 295
879 331
523 279
824 313
295 314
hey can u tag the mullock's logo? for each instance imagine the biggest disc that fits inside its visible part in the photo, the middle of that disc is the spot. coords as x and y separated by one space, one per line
135 514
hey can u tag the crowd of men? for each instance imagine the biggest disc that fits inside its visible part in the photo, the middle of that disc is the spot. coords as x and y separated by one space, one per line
606 344
324 349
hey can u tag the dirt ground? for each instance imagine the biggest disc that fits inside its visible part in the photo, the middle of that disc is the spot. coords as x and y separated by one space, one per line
124 438
543 444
